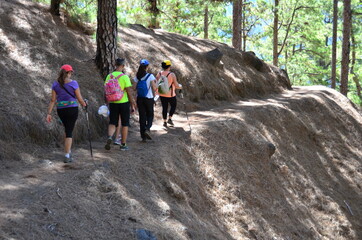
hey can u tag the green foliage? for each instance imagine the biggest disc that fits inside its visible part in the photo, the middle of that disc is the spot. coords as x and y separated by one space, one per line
81 11
304 37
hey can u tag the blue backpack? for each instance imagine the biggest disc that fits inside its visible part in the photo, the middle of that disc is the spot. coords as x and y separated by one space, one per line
142 88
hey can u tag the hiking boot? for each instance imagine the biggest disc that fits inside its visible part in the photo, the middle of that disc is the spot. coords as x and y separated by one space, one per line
144 140
148 134
170 122
108 144
117 141
165 124
124 147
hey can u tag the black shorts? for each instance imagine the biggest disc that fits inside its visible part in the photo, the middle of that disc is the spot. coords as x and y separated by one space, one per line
68 116
119 109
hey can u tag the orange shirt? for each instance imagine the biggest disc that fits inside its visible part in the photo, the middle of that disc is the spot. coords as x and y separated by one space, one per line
171 83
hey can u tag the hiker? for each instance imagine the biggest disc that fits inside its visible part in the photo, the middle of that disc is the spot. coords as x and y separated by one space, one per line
168 96
145 85
65 93
121 107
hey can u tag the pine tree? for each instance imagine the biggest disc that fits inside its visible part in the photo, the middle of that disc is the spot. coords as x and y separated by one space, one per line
347 17
106 36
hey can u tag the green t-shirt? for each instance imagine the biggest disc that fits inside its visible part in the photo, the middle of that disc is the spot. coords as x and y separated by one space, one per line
124 82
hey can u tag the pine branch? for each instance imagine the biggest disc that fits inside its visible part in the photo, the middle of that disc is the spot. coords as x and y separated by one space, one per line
289 26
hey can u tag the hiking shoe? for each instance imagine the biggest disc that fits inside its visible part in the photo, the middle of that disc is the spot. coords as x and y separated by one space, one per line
108 144
148 134
165 124
68 159
170 122
117 141
123 147
144 140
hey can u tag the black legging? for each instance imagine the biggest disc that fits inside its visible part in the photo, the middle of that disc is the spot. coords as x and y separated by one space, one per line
145 112
173 104
69 117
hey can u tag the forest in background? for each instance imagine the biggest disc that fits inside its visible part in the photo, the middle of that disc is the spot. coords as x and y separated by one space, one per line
304 40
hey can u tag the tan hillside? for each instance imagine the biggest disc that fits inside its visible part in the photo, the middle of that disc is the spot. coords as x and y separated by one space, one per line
253 160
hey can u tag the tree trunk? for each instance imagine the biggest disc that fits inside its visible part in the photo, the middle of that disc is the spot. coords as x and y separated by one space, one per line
106 36
275 34
55 7
237 9
154 14
206 22
243 45
345 46
334 43
355 76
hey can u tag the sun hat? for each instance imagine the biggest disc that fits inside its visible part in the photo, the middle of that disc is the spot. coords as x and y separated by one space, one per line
67 68
144 62
103 110
167 62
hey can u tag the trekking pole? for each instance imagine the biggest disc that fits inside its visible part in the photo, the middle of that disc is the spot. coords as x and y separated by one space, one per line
187 116
89 133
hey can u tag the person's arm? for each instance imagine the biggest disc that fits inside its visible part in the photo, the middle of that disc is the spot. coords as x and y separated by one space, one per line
79 97
129 91
134 88
134 84
158 76
174 80
154 85
51 105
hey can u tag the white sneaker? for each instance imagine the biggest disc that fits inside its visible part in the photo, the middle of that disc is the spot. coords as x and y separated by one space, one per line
117 141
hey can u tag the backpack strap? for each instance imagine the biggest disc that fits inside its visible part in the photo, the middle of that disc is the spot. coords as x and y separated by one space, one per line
112 77
117 78
159 73
62 86
120 75
148 75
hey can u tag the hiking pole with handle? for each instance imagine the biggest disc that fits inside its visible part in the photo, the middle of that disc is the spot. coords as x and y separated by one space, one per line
187 116
89 133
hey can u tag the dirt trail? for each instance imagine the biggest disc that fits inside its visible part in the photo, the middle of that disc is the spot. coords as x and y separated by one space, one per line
217 183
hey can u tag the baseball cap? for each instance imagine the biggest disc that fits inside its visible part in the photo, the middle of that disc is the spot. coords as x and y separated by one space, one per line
67 68
167 62
103 110
144 62
120 61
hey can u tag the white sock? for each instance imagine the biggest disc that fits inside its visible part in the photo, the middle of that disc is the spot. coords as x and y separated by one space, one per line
67 155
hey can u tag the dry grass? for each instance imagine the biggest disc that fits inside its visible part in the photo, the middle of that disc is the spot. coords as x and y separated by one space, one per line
222 181
29 67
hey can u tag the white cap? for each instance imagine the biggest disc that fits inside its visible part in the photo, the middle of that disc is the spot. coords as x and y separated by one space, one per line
103 110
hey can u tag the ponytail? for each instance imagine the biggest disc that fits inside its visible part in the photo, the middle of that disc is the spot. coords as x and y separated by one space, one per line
61 77
141 71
